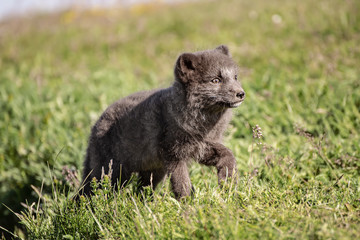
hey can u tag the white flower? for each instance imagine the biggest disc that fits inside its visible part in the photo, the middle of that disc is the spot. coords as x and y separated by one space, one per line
276 19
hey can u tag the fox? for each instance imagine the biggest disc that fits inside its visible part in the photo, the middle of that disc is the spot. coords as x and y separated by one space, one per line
159 133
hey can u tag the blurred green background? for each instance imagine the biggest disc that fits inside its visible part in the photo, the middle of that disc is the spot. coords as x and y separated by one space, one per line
300 68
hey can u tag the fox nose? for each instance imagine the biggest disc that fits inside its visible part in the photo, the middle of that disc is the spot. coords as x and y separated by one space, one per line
241 95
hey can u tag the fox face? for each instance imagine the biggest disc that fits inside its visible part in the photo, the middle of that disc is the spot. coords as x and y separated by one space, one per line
210 79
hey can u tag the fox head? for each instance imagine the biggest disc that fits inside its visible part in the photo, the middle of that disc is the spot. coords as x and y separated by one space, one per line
210 78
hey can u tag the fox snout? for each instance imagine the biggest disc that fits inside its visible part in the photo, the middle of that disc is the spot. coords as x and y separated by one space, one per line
235 97
238 91
240 95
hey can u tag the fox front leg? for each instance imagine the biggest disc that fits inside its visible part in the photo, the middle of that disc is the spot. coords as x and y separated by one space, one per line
222 158
180 179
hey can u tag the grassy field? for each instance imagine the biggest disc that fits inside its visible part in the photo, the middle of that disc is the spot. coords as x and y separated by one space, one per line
300 67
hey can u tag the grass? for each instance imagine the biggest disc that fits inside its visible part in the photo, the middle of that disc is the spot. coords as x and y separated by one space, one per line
298 179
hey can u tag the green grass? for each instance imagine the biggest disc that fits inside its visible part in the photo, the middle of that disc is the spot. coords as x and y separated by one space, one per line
301 73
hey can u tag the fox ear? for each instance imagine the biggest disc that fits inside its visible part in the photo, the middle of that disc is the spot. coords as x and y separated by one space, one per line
186 66
223 49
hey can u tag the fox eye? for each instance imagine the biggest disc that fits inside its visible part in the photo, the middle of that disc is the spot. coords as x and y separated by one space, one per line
216 81
235 77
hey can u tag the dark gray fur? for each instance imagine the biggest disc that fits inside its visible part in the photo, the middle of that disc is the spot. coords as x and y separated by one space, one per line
159 132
